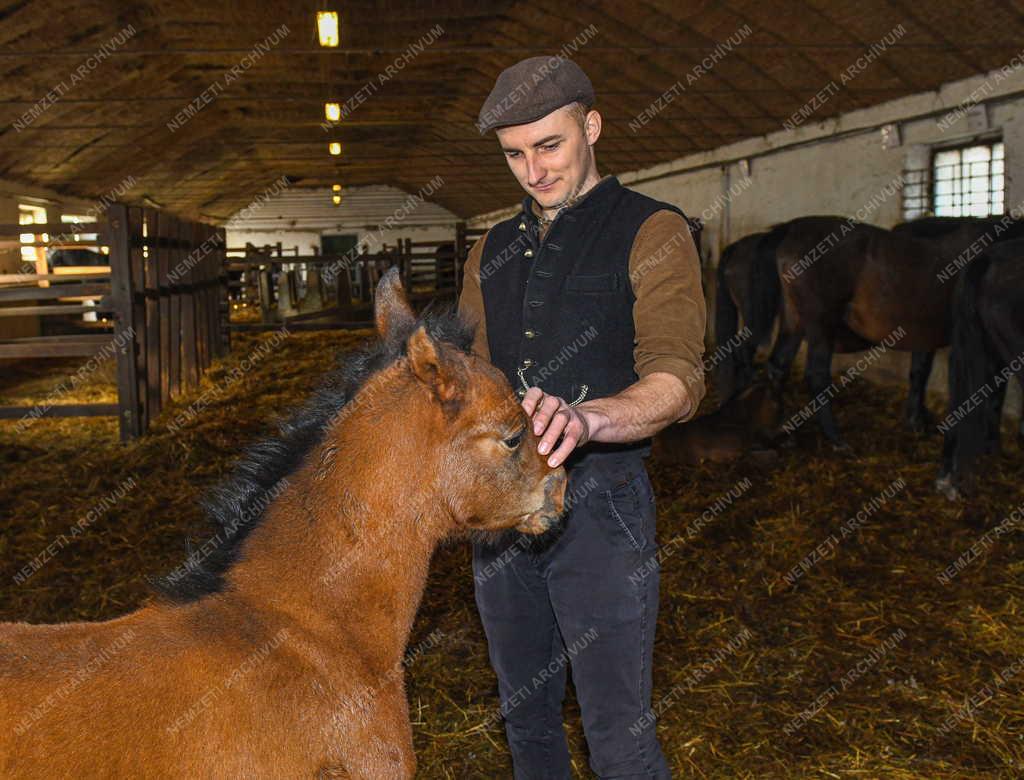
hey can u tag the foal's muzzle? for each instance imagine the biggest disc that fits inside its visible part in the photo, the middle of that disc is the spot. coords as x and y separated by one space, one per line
547 516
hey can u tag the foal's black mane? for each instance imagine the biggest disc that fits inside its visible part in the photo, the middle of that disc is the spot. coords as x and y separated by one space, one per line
237 505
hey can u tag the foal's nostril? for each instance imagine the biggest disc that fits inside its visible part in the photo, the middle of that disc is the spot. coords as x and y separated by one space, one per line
554 489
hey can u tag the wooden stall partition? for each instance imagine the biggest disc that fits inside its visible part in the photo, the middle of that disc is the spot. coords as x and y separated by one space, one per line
122 293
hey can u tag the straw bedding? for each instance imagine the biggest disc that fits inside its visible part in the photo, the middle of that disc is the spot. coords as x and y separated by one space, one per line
796 637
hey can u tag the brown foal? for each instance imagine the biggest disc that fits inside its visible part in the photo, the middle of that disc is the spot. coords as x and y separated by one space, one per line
279 655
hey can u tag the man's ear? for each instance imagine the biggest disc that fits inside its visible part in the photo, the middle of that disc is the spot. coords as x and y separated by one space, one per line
430 367
391 311
592 126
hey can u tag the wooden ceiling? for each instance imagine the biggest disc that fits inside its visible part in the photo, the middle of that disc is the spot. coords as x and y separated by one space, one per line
110 127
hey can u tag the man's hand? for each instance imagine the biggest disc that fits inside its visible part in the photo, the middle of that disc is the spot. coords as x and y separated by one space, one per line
639 411
551 418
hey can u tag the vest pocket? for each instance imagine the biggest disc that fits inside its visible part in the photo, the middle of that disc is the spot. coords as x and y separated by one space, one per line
592 283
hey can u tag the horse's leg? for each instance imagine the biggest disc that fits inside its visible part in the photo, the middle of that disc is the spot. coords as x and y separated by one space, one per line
915 413
818 377
783 354
994 419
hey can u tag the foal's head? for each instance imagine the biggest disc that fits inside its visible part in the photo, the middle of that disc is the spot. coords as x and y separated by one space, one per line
490 475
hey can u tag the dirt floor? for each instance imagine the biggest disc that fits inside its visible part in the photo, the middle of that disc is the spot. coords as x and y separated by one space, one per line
796 638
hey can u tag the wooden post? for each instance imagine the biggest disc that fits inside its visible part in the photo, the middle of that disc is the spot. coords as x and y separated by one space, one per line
406 253
121 290
202 295
152 318
220 253
461 253
165 231
136 220
266 295
176 266
189 352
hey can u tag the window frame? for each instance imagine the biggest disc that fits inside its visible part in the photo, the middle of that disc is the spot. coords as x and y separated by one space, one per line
988 140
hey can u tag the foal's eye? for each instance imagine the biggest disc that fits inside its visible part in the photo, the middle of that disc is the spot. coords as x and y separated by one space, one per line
513 442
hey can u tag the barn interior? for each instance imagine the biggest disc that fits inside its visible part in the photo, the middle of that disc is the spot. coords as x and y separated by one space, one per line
196 202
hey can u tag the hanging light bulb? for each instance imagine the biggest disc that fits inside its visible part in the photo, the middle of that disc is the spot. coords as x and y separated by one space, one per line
334 148
336 198
327 27
336 187
332 111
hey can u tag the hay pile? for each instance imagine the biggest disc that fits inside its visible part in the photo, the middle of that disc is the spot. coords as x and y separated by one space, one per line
779 653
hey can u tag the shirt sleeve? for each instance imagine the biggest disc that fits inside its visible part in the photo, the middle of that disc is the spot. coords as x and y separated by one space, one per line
669 315
471 299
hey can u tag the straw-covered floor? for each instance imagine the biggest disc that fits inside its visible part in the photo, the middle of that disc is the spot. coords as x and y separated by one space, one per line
796 638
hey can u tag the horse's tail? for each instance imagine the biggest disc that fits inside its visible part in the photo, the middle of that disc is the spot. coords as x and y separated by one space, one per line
766 290
727 322
972 363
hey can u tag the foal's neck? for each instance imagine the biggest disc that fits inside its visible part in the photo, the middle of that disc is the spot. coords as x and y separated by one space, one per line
345 548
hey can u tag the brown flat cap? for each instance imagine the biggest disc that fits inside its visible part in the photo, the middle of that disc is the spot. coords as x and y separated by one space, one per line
533 88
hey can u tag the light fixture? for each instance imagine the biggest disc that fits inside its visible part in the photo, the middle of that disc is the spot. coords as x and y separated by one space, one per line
334 148
336 198
327 27
332 111
336 187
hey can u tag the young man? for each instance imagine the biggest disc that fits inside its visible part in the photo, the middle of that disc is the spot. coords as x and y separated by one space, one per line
590 302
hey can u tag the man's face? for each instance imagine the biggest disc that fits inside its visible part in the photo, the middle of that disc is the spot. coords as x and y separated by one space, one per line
551 157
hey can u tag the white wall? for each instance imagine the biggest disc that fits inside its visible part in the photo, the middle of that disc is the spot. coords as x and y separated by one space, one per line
832 167
306 240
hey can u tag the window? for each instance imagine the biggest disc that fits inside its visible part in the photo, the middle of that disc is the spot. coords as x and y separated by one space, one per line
965 181
76 223
968 182
33 258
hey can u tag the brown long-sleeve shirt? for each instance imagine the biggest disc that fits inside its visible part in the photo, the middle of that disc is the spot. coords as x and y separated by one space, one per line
669 315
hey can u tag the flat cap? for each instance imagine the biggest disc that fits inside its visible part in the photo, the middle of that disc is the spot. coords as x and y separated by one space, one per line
533 88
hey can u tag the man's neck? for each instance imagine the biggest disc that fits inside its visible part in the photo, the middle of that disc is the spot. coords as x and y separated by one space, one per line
588 184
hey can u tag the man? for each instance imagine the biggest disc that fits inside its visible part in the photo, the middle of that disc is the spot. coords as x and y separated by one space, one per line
590 302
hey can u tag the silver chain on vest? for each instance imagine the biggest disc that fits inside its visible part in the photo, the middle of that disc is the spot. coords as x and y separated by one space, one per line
580 397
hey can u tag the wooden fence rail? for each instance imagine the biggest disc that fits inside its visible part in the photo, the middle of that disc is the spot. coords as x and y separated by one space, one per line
430 269
167 292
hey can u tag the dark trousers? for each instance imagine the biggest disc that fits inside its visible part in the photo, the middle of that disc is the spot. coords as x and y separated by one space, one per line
586 600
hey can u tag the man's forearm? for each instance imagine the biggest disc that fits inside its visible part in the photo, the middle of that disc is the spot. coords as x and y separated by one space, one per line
639 411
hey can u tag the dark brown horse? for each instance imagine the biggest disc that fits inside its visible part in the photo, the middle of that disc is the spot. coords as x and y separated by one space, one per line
959 239
848 286
747 291
277 652
988 349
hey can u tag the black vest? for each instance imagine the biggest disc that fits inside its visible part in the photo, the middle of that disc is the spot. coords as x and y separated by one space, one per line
561 311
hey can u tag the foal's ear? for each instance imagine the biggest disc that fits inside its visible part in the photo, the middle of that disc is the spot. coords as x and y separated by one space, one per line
391 309
430 366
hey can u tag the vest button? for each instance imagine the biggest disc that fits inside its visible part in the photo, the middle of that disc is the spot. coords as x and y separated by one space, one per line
528 253
522 226
530 333
527 362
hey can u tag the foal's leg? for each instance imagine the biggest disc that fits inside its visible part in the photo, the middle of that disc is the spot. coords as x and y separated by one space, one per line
915 413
